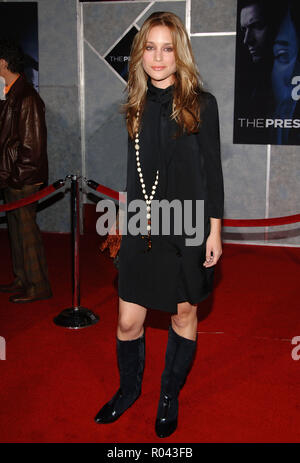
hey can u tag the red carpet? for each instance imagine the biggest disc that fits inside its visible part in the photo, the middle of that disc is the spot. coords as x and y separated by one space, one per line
243 387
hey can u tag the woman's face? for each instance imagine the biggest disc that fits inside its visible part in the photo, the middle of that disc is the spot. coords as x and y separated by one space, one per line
285 52
159 57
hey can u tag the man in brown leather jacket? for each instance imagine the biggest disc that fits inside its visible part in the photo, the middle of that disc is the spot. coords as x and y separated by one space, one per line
23 170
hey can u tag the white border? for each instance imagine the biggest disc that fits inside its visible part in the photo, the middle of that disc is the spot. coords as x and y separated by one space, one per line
211 34
129 27
268 169
262 243
81 95
104 61
267 189
130 1
81 84
188 8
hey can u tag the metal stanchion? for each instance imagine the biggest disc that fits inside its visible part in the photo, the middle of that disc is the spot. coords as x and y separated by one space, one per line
76 316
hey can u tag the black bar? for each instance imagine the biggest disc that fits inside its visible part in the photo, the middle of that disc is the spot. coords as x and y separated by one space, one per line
92 184
59 183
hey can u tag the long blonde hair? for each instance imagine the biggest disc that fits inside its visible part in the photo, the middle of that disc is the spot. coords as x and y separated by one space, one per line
187 86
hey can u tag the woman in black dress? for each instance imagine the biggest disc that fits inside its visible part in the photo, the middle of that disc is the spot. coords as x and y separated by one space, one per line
173 154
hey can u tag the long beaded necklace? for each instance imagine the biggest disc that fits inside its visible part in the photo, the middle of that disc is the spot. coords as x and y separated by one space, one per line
148 199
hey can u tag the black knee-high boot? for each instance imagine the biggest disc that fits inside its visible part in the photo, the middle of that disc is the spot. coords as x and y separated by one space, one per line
131 360
179 356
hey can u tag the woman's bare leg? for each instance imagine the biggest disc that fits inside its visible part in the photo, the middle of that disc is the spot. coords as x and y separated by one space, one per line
185 322
131 320
131 358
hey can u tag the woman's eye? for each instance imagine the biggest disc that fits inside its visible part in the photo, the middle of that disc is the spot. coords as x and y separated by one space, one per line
150 47
282 56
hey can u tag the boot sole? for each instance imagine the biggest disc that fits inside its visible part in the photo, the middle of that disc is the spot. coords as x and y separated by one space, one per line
160 433
31 300
16 290
117 416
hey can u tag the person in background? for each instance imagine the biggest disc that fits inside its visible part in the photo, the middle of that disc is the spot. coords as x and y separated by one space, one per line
255 29
23 170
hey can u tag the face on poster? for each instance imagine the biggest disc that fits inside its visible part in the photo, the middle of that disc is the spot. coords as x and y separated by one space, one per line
267 72
19 22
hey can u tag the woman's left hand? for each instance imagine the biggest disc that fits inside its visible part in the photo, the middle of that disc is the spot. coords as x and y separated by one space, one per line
213 249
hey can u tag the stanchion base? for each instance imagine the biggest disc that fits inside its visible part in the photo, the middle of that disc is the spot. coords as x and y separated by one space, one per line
76 317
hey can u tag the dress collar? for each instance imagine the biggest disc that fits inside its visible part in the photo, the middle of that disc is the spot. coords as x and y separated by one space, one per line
160 95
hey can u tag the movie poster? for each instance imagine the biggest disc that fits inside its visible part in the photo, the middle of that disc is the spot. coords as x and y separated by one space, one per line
267 73
19 21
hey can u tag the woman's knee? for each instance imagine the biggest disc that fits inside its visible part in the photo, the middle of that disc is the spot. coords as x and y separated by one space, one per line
129 325
131 319
187 314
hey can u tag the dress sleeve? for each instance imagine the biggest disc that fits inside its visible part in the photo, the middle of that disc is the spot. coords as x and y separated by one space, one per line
128 145
210 134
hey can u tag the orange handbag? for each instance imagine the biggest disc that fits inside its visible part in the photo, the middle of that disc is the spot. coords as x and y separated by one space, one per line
112 241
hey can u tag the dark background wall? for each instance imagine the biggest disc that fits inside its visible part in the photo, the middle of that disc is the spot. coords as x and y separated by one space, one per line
58 86
87 134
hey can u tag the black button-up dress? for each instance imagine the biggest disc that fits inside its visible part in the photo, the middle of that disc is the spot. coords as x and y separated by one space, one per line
189 169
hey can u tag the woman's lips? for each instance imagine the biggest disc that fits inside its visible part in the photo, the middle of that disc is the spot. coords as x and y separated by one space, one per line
158 68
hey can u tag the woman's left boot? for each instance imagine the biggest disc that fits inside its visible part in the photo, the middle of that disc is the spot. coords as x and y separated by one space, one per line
179 356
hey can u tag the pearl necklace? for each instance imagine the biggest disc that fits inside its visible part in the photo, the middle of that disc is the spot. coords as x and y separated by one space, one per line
148 199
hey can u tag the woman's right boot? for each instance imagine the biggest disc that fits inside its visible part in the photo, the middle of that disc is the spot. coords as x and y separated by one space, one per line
131 360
